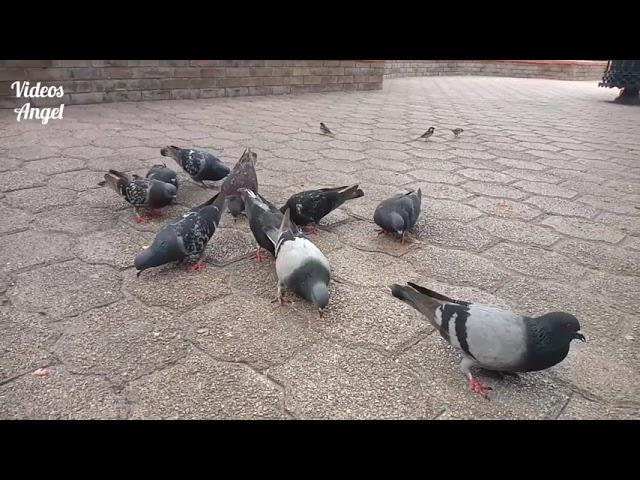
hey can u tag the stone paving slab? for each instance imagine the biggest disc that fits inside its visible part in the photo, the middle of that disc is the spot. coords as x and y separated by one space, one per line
535 207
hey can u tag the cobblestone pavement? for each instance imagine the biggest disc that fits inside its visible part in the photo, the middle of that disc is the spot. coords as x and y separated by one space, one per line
534 207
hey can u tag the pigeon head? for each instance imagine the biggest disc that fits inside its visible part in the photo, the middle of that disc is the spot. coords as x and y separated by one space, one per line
249 156
319 294
164 249
235 205
562 326
396 223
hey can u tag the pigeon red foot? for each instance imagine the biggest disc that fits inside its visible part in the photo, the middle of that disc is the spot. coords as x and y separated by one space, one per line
198 266
259 255
311 230
477 387
280 299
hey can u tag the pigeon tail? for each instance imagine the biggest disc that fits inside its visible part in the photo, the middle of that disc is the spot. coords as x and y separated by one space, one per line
436 295
112 182
170 151
351 193
422 303
211 201
121 175
287 224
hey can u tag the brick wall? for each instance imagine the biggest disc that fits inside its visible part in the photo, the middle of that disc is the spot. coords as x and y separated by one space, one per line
97 81
552 69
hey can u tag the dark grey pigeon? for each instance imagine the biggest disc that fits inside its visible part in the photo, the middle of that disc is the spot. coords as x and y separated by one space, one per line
263 216
243 175
184 238
311 206
141 192
198 164
399 213
492 338
164 174
300 265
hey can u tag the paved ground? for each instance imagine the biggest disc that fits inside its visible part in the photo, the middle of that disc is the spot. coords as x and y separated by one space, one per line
535 207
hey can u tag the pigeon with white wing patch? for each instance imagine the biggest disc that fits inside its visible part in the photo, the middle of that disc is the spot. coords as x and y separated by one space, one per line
492 338
300 265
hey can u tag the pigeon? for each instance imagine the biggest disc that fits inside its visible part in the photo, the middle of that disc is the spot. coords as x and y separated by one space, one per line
492 338
262 215
140 192
428 133
164 174
325 130
243 175
198 164
457 132
300 265
399 213
309 207
184 238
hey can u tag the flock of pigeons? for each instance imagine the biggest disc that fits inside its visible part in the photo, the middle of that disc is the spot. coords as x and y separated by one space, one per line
487 337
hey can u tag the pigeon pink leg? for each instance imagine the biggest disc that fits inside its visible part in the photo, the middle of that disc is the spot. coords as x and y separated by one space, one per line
280 298
477 387
311 230
198 266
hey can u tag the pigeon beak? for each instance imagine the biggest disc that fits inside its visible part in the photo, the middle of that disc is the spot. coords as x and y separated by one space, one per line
138 273
579 336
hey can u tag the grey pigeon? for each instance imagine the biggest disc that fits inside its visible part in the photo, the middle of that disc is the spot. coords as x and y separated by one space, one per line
184 238
198 164
457 131
325 130
164 174
141 192
300 265
399 213
263 216
492 338
243 175
309 207
428 133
